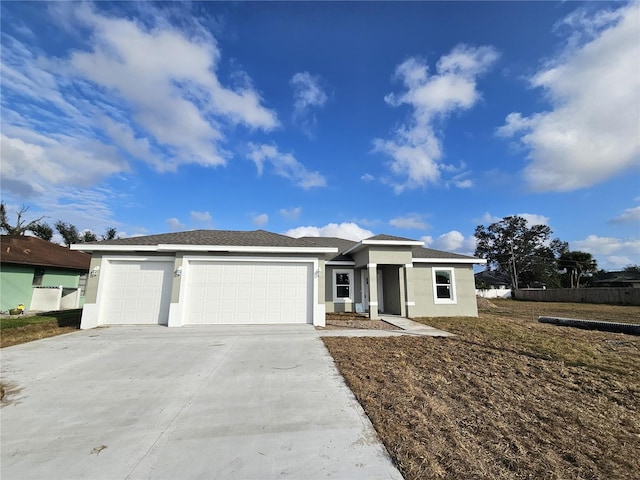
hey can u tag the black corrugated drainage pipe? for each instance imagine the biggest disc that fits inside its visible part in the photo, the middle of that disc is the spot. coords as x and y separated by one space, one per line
630 328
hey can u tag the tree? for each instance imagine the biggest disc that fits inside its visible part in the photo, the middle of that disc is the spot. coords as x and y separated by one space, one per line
110 234
523 252
577 264
21 226
632 268
88 236
42 230
68 231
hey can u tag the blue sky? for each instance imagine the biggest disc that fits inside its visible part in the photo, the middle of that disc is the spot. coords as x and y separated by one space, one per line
421 120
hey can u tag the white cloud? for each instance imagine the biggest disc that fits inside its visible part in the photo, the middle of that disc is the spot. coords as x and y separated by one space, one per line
534 219
531 218
367 177
411 221
307 94
368 222
591 132
630 215
610 252
486 219
175 224
200 217
284 165
260 220
452 241
151 90
349 231
292 213
416 147
69 162
168 81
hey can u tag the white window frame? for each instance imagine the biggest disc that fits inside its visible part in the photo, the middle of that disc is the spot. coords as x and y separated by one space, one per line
348 299
454 298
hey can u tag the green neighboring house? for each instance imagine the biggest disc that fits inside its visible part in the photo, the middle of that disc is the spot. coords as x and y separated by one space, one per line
40 275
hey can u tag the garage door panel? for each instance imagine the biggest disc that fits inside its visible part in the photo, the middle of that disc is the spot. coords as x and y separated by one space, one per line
245 292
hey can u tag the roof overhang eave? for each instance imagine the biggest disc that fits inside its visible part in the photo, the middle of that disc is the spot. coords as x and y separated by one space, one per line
201 248
475 261
387 243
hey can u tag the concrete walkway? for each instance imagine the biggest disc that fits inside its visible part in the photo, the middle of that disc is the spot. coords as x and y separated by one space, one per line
408 327
185 403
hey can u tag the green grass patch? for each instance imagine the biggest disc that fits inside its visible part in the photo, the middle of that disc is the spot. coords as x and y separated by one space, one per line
66 318
18 329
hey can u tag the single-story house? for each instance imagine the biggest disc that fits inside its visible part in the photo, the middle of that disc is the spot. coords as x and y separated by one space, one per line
39 274
492 279
259 277
620 279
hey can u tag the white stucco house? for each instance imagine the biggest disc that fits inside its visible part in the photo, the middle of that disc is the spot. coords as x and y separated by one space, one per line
259 277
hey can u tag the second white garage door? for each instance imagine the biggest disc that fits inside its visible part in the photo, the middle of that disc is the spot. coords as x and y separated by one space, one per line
247 292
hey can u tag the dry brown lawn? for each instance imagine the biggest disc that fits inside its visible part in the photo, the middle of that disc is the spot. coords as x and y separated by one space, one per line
507 398
350 321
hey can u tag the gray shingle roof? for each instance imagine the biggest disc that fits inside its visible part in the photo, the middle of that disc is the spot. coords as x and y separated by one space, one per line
390 237
255 238
421 252
340 243
262 238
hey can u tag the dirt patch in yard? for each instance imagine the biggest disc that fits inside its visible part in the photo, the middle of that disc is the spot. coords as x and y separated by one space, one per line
350 321
507 398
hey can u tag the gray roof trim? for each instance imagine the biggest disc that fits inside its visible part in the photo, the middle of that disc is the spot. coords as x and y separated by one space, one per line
472 260
344 263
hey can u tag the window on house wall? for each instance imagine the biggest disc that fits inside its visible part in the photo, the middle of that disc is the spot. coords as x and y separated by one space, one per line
444 289
82 283
343 285
38 275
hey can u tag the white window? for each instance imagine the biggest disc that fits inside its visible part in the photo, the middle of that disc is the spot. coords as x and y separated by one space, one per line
444 287
343 285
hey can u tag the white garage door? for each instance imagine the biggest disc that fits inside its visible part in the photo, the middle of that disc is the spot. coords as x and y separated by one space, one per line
247 292
136 292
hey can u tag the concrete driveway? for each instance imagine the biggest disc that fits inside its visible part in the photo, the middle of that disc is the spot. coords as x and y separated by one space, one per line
196 402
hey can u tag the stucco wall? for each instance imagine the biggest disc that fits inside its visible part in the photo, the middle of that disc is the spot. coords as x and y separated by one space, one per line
15 286
332 306
91 289
55 278
390 255
465 305
16 283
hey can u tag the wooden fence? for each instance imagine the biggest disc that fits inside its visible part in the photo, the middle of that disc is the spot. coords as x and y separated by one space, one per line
609 296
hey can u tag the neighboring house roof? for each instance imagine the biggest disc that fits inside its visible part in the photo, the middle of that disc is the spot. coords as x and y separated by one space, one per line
492 277
23 250
619 278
